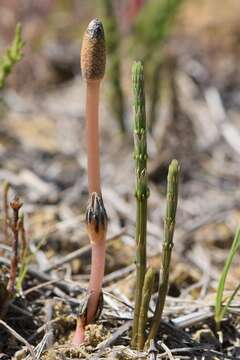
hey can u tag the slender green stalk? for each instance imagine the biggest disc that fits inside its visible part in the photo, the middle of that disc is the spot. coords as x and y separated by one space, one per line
220 310
142 191
116 97
146 296
12 56
169 225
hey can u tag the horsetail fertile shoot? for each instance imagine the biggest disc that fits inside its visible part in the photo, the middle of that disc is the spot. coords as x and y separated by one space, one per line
93 60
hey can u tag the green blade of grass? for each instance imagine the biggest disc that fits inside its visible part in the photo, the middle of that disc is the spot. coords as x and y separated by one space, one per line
225 308
219 311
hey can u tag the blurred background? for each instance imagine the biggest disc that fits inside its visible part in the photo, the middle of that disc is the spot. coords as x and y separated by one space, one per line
191 54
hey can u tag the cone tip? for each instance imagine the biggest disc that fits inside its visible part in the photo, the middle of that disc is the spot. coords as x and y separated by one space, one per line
95 29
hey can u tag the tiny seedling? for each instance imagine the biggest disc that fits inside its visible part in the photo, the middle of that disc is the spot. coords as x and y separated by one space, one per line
21 255
16 205
93 59
8 291
220 309
12 56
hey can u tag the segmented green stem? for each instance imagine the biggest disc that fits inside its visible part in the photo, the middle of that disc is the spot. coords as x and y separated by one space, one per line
12 56
142 192
169 224
146 296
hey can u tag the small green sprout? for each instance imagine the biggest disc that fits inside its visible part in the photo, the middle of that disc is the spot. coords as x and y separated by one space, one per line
12 55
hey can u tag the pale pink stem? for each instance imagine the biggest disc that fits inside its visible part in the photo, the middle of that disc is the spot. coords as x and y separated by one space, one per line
98 247
92 135
96 277
79 335
93 59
